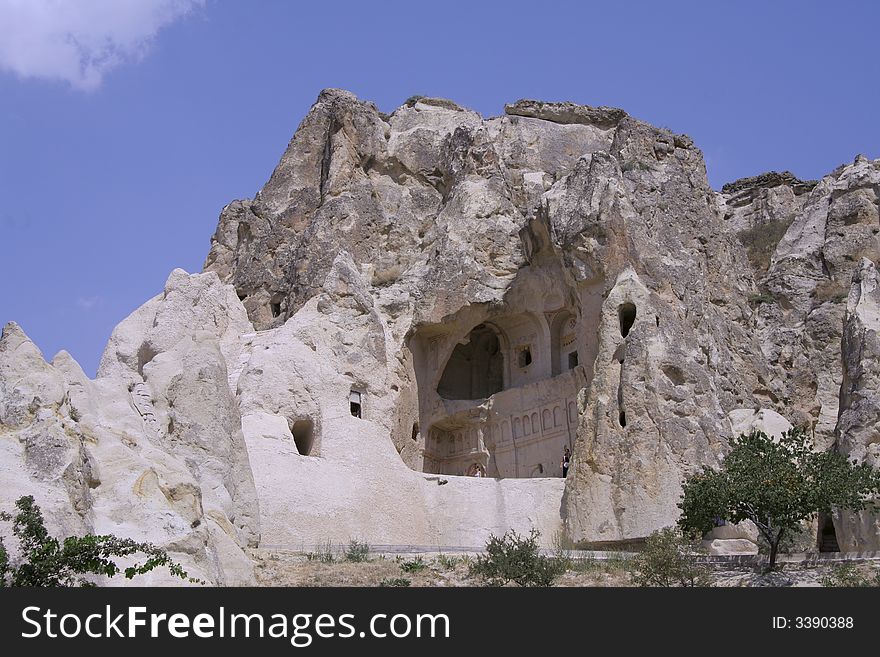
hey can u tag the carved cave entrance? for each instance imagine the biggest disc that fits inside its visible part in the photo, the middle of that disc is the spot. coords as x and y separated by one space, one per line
500 401
475 369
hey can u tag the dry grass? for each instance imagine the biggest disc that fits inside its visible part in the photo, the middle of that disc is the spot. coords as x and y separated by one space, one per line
295 569
761 242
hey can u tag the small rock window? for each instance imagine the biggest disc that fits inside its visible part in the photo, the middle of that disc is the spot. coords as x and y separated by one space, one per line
524 358
626 313
275 307
415 431
572 360
354 398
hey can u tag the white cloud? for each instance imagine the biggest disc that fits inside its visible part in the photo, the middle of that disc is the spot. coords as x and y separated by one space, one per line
79 41
87 303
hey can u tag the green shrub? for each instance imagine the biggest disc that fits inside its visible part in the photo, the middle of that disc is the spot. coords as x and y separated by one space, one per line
416 565
668 559
849 575
395 581
48 561
446 562
758 299
357 551
513 558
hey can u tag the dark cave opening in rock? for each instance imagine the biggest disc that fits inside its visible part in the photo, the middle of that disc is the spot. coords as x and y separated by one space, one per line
626 313
475 369
303 432
145 354
827 538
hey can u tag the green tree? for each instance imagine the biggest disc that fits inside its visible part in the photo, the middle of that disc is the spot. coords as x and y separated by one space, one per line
777 484
669 559
47 561
514 558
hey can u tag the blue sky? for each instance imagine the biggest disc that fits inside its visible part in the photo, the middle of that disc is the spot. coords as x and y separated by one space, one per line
126 125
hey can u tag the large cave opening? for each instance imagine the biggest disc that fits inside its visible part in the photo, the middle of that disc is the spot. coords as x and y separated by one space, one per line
475 369
497 391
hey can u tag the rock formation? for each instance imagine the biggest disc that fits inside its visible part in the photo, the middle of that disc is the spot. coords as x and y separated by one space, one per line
858 429
397 337
152 448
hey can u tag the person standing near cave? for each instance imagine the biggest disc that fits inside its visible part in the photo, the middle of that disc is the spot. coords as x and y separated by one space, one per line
566 461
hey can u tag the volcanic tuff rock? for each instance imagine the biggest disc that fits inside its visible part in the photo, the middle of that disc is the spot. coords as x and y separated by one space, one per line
428 294
858 429
151 449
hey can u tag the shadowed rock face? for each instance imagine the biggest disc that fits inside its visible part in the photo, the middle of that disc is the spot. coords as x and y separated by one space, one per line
428 294
858 429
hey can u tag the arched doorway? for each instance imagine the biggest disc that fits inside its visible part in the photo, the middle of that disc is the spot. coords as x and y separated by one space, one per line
827 538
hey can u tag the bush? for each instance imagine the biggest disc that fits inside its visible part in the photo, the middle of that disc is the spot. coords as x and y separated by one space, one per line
446 562
417 565
668 559
48 561
513 558
758 299
395 581
357 552
848 575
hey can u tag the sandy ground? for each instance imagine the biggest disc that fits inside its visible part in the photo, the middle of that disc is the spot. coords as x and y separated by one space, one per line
278 568
275 568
